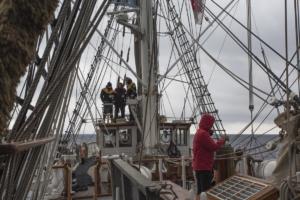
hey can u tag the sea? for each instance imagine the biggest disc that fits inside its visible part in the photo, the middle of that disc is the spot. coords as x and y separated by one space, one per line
253 145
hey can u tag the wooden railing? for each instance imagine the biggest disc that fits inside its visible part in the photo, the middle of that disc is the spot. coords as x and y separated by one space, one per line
67 179
97 184
16 147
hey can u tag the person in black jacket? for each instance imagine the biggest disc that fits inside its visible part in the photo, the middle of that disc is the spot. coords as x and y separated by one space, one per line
107 97
120 100
130 94
173 151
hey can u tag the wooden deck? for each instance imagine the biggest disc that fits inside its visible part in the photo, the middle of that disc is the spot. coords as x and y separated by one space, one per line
84 195
182 194
89 194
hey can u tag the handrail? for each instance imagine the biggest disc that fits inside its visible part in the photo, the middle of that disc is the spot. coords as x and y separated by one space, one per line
128 183
17 147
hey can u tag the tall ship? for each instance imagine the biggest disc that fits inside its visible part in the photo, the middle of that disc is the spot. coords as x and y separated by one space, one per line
68 67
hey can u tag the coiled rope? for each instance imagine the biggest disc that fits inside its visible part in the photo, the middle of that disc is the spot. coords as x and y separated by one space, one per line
21 24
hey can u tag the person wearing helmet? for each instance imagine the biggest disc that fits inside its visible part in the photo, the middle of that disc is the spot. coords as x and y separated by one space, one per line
107 97
130 94
131 89
203 154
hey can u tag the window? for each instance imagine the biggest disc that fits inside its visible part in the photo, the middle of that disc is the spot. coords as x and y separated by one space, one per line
181 137
165 135
125 137
109 138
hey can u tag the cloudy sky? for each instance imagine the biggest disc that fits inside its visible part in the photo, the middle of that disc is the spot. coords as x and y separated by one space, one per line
230 98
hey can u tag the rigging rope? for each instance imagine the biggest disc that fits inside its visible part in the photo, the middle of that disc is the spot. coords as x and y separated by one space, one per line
96 81
17 47
256 36
51 98
244 48
179 69
88 80
224 40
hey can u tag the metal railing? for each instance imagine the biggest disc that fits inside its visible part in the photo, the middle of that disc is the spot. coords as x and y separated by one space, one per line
129 184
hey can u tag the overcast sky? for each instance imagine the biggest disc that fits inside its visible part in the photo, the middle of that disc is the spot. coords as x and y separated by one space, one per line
230 98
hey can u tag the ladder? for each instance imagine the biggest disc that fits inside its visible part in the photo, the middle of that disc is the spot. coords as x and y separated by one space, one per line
71 126
192 69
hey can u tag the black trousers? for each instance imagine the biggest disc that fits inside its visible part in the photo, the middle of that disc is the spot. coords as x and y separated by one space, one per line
203 180
119 107
107 110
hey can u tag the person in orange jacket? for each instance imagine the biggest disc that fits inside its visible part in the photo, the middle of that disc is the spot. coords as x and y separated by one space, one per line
107 97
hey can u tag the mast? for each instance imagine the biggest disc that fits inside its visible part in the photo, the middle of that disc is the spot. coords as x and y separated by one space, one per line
149 71
249 28
290 135
297 35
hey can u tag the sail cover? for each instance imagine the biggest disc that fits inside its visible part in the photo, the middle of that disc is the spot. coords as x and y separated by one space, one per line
198 9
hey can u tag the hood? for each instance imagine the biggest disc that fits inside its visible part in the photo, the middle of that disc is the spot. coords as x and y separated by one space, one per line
206 122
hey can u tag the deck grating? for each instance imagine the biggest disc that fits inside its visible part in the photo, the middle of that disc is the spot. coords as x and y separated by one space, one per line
236 188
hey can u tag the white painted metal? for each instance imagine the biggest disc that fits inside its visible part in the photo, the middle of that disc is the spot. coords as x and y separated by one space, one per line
245 166
146 172
183 171
160 169
265 169
117 193
149 102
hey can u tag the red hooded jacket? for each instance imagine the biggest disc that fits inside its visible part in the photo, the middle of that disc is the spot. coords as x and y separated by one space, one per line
204 146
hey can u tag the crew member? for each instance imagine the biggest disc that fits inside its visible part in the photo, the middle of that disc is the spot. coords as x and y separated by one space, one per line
203 154
107 97
120 100
130 94
173 151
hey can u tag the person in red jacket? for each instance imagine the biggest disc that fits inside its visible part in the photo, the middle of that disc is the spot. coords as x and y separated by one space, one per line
203 154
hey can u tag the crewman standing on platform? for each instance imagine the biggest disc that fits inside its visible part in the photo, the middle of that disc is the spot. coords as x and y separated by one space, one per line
120 100
130 94
107 97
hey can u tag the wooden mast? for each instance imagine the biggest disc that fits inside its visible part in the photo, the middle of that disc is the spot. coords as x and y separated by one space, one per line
149 71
